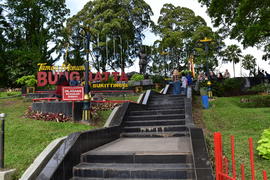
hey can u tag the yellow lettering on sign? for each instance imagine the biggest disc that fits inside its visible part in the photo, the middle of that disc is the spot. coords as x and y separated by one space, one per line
110 85
43 67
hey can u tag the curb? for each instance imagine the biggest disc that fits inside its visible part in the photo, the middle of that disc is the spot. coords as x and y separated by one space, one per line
34 169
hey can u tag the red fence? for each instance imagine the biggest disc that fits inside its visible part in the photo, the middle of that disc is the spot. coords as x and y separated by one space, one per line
222 162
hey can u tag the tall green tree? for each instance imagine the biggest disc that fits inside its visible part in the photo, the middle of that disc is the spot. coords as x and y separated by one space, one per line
116 27
249 63
232 54
247 21
181 30
36 31
4 26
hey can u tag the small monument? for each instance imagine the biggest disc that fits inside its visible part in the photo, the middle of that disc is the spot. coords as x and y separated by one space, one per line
142 62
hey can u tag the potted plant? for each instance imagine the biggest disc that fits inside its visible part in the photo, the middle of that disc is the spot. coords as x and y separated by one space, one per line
158 80
28 81
137 78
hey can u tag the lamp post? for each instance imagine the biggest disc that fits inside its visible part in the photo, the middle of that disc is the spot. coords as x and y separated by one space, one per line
96 52
85 34
164 53
206 42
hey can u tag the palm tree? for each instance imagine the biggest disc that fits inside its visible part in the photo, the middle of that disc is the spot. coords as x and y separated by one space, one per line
249 63
232 54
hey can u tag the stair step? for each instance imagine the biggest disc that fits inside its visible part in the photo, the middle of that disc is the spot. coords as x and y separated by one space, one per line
158 112
123 171
159 103
149 120
167 95
156 117
82 178
131 157
157 107
154 122
167 98
154 134
154 128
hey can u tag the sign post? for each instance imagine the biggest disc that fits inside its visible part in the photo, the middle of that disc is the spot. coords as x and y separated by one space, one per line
73 93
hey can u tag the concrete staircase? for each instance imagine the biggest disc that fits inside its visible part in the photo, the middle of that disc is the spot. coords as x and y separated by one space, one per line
155 143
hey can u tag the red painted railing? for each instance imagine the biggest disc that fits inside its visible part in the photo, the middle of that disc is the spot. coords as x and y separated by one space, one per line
222 163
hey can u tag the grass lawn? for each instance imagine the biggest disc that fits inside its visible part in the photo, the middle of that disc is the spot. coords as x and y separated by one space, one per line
226 116
9 94
129 97
26 138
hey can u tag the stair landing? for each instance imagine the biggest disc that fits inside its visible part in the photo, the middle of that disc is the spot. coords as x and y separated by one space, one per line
148 145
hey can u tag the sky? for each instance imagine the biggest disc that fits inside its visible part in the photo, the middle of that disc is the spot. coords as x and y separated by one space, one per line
156 5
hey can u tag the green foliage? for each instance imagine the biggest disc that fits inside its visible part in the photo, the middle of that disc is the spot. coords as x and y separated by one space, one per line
260 88
31 28
29 80
264 144
186 72
137 77
227 87
232 54
249 63
181 30
227 117
110 80
22 133
9 94
157 79
246 21
258 101
115 26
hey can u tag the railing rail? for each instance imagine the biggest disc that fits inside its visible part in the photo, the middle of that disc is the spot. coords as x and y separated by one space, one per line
222 162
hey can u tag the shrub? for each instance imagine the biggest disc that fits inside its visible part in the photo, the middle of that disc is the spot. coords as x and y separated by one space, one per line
233 86
110 80
157 79
13 93
264 144
29 80
186 72
227 87
255 101
260 88
137 77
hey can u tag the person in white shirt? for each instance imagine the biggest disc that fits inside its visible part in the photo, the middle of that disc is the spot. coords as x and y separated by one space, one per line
227 74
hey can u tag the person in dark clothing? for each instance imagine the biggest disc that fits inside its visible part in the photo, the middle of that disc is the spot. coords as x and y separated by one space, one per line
60 83
220 77
212 76
74 81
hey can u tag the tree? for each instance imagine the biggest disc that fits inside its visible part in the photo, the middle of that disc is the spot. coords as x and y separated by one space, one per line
3 46
249 63
116 27
247 21
181 30
36 31
232 54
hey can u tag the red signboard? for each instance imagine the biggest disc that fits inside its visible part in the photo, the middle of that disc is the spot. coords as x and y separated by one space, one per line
72 93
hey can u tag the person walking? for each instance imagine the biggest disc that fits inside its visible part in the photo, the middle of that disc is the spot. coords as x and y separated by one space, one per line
184 82
176 82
